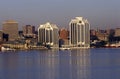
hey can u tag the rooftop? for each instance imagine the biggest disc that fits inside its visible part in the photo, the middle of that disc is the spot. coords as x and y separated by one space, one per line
10 21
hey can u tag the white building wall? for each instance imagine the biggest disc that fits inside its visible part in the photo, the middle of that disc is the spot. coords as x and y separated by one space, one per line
48 34
79 32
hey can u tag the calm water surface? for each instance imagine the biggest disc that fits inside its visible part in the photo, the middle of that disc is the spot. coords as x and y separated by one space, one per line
55 64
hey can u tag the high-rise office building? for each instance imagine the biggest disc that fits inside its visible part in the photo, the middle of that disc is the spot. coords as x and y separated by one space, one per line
29 30
10 28
79 32
48 34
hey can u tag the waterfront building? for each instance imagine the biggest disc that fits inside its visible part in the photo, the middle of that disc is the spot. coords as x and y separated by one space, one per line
63 37
102 36
117 32
79 32
29 30
110 32
10 28
64 34
93 32
48 34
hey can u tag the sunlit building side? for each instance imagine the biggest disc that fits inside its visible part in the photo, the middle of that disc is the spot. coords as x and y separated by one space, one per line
10 27
79 33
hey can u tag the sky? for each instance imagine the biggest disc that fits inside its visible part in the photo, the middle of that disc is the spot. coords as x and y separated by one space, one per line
100 13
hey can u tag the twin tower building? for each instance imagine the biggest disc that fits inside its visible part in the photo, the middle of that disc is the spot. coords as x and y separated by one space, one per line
48 34
79 34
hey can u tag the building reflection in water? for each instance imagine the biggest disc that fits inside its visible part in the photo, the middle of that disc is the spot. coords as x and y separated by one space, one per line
49 65
80 64
75 64
8 65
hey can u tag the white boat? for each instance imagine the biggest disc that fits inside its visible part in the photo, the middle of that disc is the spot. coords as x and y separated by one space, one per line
6 49
63 48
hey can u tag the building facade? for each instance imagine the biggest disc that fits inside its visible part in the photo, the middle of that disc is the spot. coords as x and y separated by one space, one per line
117 32
48 34
64 34
102 36
79 33
29 30
10 27
63 37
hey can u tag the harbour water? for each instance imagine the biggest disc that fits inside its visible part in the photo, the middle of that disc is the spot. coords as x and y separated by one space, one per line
98 63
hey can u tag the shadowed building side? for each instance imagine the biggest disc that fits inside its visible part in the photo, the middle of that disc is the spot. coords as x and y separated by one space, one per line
1 36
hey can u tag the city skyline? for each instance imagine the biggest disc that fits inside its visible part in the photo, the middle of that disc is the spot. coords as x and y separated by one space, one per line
100 13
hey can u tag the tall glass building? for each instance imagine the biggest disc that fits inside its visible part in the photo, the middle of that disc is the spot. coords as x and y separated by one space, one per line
48 34
79 32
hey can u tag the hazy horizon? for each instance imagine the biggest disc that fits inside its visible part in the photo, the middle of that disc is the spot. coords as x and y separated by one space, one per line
100 13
